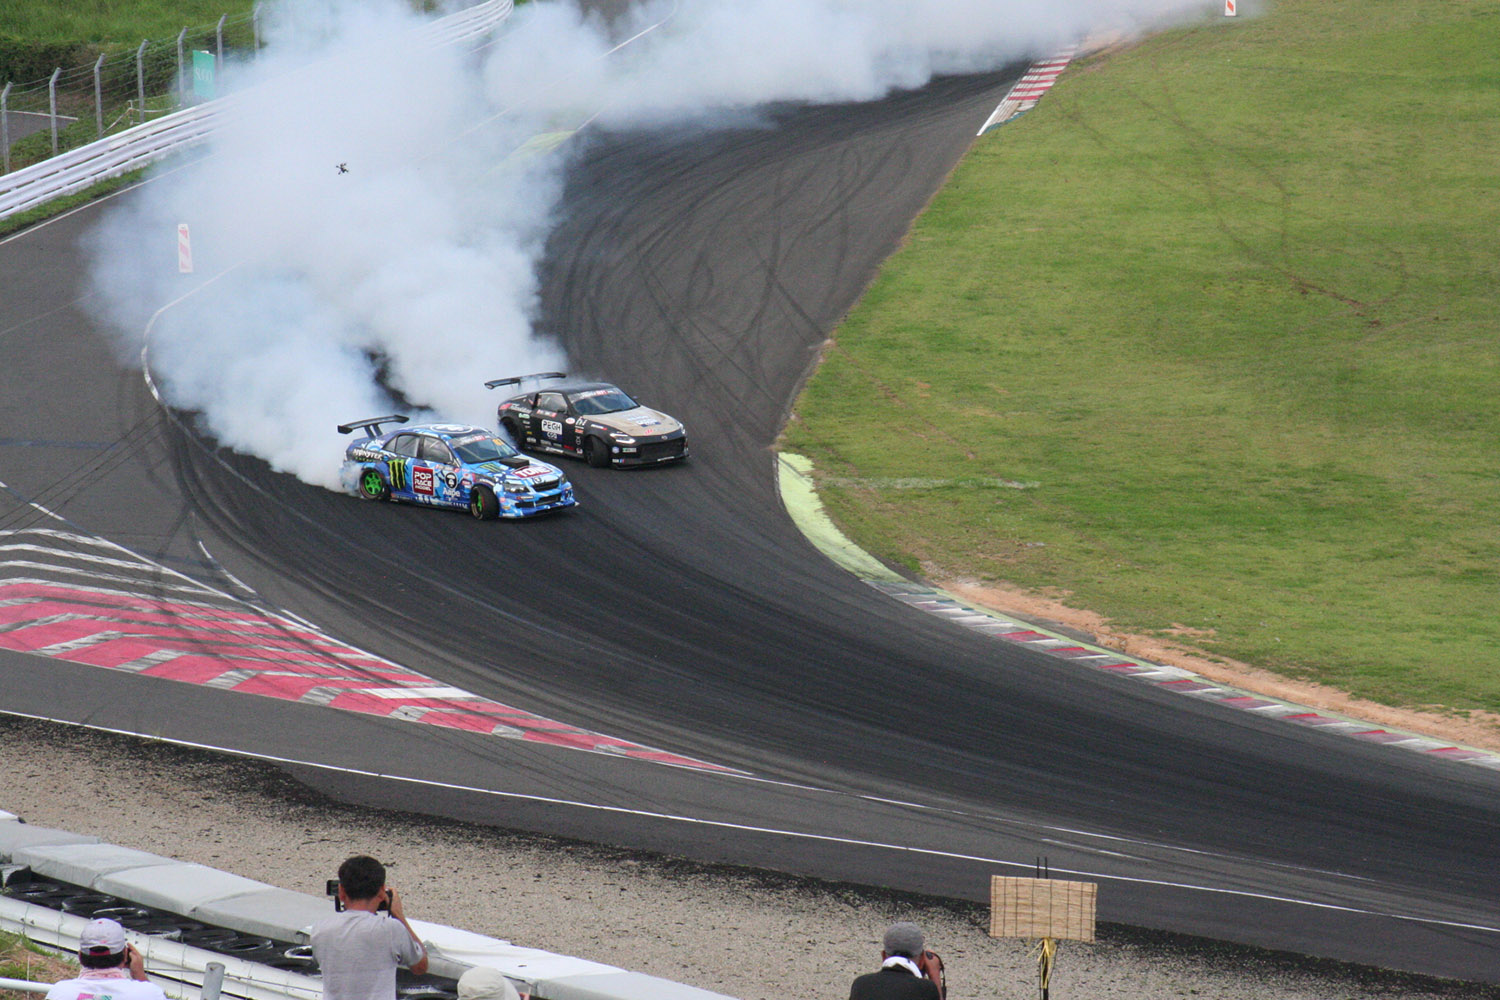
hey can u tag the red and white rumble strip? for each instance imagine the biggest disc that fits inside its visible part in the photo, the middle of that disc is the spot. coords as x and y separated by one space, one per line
942 605
86 600
1029 89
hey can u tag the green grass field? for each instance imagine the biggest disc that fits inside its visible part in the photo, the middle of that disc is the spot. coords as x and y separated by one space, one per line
1211 339
111 22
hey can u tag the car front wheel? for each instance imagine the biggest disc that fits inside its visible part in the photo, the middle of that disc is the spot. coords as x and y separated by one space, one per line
483 505
596 452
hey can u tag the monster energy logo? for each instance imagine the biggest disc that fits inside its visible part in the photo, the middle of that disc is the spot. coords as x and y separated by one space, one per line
398 474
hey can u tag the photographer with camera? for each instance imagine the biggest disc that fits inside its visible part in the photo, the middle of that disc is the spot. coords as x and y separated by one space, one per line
111 969
360 947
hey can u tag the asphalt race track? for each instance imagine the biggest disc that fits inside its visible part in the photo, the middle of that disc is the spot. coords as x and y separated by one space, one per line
680 608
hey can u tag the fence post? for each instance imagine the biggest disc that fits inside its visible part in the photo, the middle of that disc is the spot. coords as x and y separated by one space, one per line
213 981
140 77
181 81
99 95
5 125
255 28
52 105
219 52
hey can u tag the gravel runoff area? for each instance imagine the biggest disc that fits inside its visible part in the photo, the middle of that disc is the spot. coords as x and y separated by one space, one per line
747 933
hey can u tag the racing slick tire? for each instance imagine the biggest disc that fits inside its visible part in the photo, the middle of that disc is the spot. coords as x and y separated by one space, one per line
482 504
372 485
596 452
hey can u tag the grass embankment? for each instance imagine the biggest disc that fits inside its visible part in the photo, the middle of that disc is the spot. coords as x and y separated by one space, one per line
20 959
110 22
1208 341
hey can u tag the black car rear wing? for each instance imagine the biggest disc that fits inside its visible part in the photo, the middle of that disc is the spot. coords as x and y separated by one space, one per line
373 423
496 383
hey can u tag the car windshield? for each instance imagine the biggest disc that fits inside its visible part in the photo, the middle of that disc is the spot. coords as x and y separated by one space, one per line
597 401
478 450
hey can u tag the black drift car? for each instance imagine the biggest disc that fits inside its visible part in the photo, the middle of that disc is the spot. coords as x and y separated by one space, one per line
595 421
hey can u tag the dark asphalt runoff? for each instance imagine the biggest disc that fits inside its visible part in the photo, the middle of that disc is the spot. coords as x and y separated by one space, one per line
679 607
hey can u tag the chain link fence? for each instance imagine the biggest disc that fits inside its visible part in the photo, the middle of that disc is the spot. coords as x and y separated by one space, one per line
76 105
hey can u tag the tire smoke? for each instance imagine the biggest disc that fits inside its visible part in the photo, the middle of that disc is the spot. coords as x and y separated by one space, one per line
367 223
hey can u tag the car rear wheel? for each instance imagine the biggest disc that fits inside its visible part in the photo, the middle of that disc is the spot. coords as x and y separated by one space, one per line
596 452
482 504
372 485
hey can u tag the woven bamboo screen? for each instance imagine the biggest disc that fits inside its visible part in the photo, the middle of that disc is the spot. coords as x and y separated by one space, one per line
1042 908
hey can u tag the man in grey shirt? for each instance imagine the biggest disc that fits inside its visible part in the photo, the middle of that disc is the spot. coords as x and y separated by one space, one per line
360 947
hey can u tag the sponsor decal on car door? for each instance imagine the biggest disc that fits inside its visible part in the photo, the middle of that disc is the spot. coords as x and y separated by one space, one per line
423 480
399 483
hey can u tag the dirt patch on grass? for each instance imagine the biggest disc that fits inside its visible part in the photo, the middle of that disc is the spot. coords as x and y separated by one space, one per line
1475 728
19 959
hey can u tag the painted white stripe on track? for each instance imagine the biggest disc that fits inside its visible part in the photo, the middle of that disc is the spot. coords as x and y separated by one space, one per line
790 834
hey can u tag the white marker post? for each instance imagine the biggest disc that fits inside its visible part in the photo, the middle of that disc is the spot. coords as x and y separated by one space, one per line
184 250
1229 8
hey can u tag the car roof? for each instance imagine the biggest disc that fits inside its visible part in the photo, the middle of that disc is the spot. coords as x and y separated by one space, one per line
569 388
444 431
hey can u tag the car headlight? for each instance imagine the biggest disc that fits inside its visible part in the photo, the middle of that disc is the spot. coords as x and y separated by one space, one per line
620 438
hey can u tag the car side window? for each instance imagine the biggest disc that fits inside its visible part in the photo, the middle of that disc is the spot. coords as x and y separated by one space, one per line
405 444
551 402
434 450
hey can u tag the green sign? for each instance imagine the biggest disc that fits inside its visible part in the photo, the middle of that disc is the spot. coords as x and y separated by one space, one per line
203 75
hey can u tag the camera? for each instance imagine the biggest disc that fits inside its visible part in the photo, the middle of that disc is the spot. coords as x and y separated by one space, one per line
332 888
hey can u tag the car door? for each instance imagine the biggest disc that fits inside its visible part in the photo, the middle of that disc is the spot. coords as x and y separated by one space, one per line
547 419
398 469
573 424
435 476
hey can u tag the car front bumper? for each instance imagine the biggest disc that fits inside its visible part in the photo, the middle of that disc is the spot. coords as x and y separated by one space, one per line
649 452
531 505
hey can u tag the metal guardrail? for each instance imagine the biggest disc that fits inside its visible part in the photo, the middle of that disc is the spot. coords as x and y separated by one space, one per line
82 168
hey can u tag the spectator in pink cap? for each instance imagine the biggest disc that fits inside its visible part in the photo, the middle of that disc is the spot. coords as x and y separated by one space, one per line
112 969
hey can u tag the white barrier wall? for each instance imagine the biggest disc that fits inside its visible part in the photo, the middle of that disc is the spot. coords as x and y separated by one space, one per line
220 899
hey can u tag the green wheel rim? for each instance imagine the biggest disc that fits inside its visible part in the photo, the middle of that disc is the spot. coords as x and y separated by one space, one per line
371 483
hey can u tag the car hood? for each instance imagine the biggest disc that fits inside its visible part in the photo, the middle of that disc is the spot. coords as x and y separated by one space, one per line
639 422
529 471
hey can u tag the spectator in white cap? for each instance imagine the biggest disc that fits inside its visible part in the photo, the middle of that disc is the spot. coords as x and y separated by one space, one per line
482 983
112 968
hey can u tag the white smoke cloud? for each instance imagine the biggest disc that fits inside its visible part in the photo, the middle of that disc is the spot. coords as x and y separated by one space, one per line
316 289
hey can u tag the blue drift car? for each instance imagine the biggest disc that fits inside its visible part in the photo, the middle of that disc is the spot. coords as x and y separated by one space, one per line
450 465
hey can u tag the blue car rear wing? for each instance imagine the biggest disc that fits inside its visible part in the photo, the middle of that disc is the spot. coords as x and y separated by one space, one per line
373 423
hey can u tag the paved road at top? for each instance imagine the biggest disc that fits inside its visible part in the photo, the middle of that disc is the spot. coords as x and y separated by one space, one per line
679 608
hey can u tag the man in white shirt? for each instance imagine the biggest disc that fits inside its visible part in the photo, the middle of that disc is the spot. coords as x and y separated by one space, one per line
112 969
360 947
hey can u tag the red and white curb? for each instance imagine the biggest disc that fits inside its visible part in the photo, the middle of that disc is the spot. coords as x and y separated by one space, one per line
1020 633
83 599
1029 89
799 495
